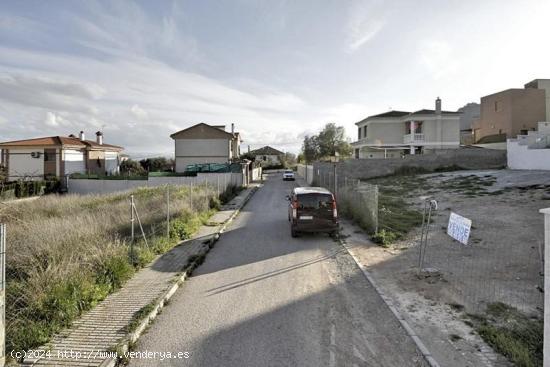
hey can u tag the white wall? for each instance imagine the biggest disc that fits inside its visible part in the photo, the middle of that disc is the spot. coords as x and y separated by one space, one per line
521 157
219 181
191 151
269 159
22 165
74 161
302 172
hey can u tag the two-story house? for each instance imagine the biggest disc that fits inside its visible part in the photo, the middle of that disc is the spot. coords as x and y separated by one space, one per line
267 156
203 143
395 133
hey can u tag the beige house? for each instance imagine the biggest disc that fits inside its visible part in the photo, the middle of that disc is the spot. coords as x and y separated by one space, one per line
512 112
395 133
203 143
267 156
58 156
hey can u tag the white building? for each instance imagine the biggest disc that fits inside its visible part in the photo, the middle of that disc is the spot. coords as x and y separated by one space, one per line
267 156
531 151
204 143
394 133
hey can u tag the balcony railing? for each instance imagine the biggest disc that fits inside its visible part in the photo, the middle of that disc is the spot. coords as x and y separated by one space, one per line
413 138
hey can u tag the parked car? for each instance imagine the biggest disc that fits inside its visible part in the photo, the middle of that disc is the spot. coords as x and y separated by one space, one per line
288 175
312 209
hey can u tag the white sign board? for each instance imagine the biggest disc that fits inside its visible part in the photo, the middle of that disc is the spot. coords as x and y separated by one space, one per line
459 228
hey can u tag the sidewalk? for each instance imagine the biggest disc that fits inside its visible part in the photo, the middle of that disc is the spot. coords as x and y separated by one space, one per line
93 339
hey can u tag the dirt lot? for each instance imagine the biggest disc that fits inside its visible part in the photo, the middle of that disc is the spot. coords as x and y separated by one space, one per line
501 263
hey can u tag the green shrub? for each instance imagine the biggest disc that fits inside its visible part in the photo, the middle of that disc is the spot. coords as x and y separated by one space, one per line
384 237
215 203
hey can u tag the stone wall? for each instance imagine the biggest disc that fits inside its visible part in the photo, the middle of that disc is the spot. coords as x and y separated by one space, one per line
470 158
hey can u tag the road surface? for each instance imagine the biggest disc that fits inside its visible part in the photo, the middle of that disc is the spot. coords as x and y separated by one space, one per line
262 298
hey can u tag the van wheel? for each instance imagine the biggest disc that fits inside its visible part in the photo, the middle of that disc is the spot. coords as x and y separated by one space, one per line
334 234
293 233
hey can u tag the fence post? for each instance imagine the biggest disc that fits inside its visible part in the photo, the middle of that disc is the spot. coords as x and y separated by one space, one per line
167 211
2 294
546 347
132 221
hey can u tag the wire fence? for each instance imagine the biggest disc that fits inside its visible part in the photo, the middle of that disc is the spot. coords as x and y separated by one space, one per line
491 269
487 271
356 199
67 253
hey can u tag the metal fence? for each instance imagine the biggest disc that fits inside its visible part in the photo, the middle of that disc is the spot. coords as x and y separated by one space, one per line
357 199
485 272
64 251
488 271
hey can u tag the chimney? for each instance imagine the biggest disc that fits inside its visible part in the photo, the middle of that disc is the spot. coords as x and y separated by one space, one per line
99 137
81 136
438 106
232 128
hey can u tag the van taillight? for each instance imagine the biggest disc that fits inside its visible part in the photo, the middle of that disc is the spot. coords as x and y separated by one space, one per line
334 210
295 209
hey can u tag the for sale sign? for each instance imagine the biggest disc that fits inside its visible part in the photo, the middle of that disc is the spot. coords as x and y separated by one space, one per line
459 228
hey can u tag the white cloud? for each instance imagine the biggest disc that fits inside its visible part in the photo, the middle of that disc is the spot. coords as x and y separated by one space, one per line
139 112
51 119
364 23
438 57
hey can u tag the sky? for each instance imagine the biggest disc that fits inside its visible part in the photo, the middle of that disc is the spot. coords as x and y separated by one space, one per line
279 70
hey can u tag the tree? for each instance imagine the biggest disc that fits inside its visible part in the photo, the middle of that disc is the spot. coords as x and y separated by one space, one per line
131 167
332 140
288 160
157 164
310 148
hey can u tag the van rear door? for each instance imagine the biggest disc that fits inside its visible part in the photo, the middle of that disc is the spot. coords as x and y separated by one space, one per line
315 208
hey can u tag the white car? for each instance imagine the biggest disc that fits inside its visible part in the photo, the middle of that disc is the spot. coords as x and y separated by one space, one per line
288 175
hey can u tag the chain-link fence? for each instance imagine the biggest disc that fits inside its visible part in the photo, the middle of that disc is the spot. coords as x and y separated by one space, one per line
67 253
488 270
502 262
356 199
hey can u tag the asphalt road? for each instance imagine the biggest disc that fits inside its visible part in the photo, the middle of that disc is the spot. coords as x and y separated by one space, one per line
262 298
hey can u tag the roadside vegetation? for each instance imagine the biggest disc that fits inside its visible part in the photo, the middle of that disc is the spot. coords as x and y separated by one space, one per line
400 194
511 333
67 253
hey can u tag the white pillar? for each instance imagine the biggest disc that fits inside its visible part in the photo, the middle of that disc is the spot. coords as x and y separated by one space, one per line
546 349
412 150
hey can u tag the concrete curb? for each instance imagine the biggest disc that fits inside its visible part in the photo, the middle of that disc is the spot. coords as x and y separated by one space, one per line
389 302
124 345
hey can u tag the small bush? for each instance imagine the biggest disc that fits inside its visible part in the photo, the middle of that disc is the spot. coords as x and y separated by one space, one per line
215 203
384 237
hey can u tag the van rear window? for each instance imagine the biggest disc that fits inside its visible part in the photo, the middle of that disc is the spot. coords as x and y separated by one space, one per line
314 201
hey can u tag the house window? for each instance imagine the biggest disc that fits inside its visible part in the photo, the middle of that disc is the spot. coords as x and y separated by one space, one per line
359 134
498 106
365 131
264 158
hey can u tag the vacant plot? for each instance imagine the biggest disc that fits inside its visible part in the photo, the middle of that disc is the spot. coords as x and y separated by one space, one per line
67 253
500 265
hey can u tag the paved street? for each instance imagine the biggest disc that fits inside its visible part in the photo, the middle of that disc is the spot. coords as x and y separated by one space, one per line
262 298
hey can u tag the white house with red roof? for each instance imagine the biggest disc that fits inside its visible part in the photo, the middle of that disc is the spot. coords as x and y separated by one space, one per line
58 156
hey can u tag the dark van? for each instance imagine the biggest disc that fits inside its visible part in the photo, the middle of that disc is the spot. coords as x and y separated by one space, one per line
312 209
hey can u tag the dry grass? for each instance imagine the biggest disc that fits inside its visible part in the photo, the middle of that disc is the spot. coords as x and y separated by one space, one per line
67 253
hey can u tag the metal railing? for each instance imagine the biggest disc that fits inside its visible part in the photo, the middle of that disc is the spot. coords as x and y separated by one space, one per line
413 138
